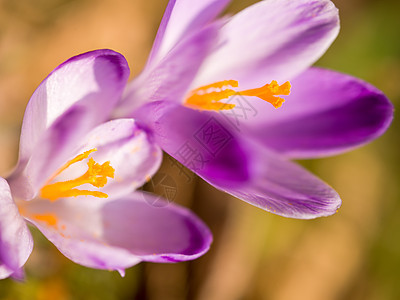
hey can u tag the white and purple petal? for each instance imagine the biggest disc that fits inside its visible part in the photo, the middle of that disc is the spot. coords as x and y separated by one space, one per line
15 239
115 234
159 233
284 37
77 96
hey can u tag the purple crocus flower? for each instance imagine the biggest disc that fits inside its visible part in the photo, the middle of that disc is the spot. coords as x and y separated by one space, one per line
76 178
205 88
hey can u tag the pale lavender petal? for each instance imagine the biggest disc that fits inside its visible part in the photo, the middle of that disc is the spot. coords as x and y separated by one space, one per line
327 113
271 40
170 79
115 234
202 141
284 188
180 20
15 239
128 148
74 98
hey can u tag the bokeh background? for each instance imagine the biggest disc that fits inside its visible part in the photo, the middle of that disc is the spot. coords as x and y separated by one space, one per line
354 254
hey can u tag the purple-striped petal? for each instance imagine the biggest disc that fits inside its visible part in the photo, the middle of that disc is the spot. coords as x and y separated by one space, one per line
202 141
15 239
284 188
115 234
271 40
180 20
170 79
72 100
326 113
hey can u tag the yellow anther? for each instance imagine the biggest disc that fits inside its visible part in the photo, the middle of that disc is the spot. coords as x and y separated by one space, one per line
208 97
96 175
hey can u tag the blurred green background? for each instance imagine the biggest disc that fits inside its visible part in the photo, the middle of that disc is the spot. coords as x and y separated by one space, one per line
354 254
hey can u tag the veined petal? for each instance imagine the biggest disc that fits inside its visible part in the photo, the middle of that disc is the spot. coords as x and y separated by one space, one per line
327 113
115 234
72 100
15 239
181 19
284 36
284 188
202 141
170 78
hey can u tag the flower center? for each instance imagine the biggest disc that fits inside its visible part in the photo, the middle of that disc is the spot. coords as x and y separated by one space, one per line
96 175
208 97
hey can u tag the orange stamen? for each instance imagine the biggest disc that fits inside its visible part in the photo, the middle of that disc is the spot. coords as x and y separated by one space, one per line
96 175
269 92
208 97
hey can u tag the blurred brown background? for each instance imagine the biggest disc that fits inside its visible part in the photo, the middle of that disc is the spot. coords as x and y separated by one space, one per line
354 254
